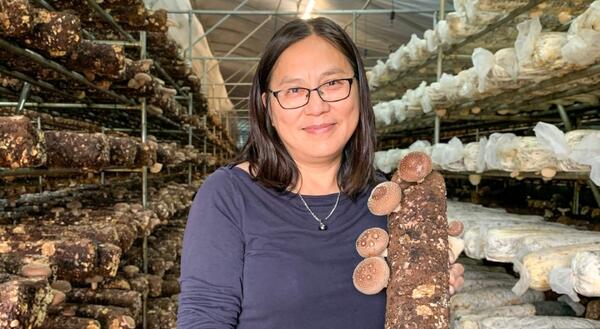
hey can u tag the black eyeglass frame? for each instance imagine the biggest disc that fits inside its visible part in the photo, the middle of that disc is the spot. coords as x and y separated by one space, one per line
350 80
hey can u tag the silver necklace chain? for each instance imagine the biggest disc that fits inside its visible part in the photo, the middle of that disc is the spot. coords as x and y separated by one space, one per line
322 226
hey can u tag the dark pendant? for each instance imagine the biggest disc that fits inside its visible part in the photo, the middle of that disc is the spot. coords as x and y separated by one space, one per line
322 227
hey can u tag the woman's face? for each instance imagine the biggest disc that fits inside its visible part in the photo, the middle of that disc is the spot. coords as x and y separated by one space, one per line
319 130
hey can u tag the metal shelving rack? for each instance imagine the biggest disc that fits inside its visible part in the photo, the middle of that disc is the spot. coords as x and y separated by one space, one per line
524 100
124 103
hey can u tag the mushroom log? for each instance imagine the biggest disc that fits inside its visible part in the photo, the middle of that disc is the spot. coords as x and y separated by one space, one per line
417 295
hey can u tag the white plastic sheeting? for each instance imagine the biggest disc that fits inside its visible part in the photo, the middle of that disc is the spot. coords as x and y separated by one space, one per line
575 151
536 56
180 33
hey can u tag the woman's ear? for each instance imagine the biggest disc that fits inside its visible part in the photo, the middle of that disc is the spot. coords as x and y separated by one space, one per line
267 105
263 96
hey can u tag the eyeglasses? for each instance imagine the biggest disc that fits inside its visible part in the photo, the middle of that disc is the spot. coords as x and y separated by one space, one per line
331 91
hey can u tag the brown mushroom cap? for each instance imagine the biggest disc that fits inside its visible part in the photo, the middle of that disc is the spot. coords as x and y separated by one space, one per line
455 228
131 271
58 297
36 270
384 198
61 285
372 242
371 275
414 167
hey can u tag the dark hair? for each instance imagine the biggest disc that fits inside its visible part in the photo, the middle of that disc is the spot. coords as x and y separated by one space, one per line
270 163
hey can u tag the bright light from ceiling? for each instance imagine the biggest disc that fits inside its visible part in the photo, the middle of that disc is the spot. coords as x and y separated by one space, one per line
308 10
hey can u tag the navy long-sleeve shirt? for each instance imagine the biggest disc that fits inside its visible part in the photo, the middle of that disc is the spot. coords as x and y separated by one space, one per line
253 258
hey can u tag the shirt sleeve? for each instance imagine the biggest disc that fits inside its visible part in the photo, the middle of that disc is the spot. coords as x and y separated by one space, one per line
212 259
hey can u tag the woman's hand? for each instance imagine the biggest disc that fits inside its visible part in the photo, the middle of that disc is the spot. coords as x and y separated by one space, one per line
456 270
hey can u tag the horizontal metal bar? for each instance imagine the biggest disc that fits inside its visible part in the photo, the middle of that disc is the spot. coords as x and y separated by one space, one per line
497 173
166 131
231 58
40 172
314 13
118 43
35 82
232 97
8 92
75 106
127 170
39 59
229 84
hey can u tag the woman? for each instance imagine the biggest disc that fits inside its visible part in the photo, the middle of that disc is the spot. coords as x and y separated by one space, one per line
270 239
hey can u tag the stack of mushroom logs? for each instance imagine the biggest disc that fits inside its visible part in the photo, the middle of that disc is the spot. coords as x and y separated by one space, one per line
58 35
23 146
80 267
416 249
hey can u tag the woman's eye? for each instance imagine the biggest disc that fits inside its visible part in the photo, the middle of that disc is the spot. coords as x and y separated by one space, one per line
333 82
292 91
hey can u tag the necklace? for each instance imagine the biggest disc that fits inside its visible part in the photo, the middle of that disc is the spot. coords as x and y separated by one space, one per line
322 226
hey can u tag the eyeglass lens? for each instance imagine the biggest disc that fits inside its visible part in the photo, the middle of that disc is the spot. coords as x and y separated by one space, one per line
331 91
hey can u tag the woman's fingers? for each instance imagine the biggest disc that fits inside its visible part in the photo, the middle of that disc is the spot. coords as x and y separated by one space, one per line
456 277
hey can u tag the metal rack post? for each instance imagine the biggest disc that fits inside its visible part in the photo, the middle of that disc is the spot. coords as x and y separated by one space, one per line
190 112
437 120
205 146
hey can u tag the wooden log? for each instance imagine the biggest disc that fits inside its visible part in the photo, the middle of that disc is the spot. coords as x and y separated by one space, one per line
162 313
417 293
121 3
16 18
110 317
21 145
123 151
69 322
109 256
133 16
77 150
114 297
97 59
14 263
164 48
75 260
118 234
54 33
24 301
157 21
146 153
134 67
170 287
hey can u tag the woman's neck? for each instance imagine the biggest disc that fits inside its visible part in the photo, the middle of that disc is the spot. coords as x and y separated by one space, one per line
318 178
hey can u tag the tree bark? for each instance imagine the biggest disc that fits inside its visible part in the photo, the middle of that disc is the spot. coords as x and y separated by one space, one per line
55 33
417 293
77 150
170 287
98 59
162 314
109 317
16 18
123 151
24 301
75 259
69 322
21 145
114 297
